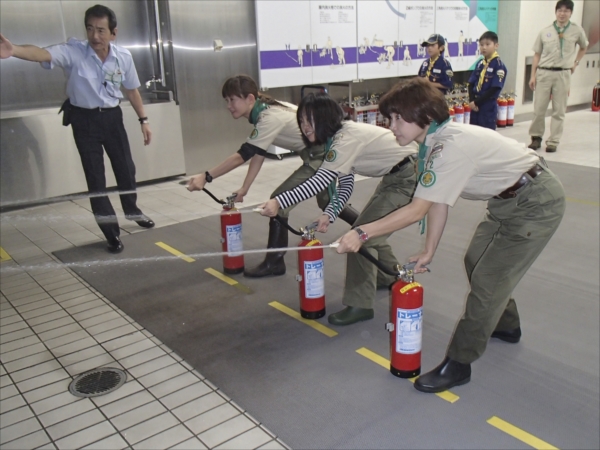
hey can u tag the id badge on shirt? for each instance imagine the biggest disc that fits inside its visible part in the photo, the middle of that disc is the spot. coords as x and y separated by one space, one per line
115 78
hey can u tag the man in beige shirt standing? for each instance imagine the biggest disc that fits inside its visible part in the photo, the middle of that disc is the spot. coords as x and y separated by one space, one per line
553 63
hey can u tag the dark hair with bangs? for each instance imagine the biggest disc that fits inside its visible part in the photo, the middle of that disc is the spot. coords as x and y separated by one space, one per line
566 3
417 101
490 36
100 12
324 112
242 86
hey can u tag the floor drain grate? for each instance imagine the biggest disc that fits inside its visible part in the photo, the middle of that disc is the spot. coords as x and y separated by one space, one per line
97 382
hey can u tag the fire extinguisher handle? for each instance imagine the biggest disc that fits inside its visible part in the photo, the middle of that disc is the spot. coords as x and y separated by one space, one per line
411 266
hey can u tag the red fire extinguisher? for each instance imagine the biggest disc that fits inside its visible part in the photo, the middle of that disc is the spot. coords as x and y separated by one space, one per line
459 113
406 323
231 237
510 112
596 97
502 112
311 276
451 111
467 112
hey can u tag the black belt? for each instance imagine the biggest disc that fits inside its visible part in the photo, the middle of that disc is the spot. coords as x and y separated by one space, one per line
554 69
400 165
511 192
99 109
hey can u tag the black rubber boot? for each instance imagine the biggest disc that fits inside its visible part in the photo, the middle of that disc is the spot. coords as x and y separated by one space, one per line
273 263
348 215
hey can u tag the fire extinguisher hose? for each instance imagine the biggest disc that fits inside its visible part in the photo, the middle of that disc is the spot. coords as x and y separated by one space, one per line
363 251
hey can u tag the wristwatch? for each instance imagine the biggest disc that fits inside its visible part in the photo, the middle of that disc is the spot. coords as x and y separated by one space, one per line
208 177
143 120
576 62
364 237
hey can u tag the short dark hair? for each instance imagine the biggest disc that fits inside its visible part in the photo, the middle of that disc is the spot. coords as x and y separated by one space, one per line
490 36
326 114
100 11
566 3
416 101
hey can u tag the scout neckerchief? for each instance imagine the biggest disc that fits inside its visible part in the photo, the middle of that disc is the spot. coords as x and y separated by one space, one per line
486 63
431 63
423 147
561 34
256 110
331 189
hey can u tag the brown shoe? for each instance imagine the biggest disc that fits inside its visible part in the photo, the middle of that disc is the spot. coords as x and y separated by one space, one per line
551 148
536 142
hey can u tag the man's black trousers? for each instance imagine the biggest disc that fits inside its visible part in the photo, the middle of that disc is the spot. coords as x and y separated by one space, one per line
96 130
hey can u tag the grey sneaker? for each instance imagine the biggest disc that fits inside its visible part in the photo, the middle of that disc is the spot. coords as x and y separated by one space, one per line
551 148
536 142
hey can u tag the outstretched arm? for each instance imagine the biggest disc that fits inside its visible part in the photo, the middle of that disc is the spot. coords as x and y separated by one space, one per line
254 167
197 182
25 52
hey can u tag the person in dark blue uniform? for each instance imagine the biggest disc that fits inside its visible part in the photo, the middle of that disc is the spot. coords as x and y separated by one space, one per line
486 83
437 69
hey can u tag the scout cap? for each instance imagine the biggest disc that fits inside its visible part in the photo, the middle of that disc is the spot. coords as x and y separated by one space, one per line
434 39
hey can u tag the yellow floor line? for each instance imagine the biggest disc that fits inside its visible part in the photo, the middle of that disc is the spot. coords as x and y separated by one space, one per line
519 434
4 256
585 202
175 252
385 363
229 281
311 323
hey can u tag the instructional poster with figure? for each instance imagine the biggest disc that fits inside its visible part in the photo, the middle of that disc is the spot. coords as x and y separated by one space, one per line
333 31
416 26
318 41
377 40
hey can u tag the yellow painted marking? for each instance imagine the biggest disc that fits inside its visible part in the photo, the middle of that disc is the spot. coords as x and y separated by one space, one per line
313 243
311 323
377 359
175 252
229 281
385 363
4 256
519 434
585 202
408 287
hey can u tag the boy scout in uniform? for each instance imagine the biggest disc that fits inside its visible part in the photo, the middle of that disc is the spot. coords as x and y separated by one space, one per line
553 63
366 150
486 83
274 123
526 203
437 69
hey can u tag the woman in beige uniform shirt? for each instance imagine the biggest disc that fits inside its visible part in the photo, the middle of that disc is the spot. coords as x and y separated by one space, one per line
526 203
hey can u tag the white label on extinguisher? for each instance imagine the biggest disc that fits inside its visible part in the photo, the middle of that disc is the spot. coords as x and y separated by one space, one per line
460 118
314 282
502 112
234 239
467 117
409 323
511 111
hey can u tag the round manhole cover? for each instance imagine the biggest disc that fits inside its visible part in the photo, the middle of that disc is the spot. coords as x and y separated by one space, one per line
97 382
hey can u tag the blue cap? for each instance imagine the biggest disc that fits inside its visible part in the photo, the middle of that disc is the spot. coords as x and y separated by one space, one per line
434 39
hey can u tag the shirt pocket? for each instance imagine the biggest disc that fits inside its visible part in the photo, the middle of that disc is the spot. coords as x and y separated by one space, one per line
569 44
88 72
550 44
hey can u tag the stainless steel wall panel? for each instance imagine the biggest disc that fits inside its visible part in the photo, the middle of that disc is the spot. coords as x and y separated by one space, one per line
39 159
209 132
24 84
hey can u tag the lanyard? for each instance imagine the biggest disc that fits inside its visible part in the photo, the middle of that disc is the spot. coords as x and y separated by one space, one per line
561 35
111 76
423 147
486 63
